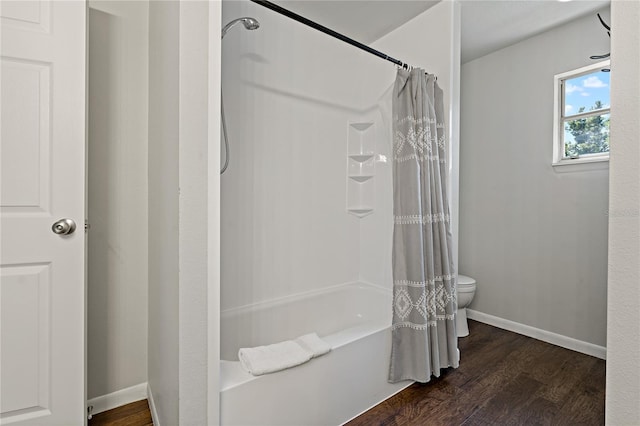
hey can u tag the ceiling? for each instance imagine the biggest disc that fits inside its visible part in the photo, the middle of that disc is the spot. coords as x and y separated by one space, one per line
491 25
487 25
362 20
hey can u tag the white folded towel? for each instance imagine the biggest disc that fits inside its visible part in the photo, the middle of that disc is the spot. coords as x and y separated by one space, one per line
314 344
279 356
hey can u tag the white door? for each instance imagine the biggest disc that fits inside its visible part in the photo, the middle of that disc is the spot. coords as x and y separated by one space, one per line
42 169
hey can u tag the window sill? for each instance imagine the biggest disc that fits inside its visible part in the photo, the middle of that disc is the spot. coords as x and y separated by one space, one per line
581 164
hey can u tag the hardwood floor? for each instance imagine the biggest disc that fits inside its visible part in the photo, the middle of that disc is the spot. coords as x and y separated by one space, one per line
503 379
134 414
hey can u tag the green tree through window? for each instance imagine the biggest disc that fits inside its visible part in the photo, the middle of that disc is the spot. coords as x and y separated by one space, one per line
581 115
590 134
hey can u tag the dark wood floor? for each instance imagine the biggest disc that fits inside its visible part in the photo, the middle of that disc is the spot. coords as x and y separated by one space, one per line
134 414
503 379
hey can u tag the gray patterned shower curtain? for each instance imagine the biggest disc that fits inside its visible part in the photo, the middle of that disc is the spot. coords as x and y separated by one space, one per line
424 282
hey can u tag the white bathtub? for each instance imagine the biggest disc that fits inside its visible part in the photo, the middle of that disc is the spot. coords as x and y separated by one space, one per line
355 319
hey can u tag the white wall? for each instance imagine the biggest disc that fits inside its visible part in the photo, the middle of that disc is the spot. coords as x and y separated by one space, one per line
213 215
195 218
289 94
533 236
117 195
183 226
163 208
623 320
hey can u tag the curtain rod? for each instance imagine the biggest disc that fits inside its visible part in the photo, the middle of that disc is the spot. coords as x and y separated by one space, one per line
322 28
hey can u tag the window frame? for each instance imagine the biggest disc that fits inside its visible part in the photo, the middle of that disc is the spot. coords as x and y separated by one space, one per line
559 118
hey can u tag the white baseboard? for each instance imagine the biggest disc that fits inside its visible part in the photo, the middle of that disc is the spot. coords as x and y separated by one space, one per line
152 407
536 333
118 398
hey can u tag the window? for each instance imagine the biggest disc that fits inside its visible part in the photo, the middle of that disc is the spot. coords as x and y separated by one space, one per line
582 113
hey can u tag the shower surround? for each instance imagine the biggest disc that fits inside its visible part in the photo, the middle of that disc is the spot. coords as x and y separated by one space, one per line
291 251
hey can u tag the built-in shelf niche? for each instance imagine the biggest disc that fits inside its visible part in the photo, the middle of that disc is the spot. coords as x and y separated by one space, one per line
361 145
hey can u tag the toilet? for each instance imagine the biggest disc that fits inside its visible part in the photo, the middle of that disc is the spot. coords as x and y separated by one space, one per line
466 291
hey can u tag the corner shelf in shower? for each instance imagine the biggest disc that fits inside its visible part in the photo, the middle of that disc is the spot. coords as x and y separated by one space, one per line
361 158
361 144
361 212
360 178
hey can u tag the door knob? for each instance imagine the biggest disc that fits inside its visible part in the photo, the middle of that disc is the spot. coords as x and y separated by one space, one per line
64 227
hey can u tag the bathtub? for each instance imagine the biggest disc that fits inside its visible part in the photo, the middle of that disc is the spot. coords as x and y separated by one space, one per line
354 318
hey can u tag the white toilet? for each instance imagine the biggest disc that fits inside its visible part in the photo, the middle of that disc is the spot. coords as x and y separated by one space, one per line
466 291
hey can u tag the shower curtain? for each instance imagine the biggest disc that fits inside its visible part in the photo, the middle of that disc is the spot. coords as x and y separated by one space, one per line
424 289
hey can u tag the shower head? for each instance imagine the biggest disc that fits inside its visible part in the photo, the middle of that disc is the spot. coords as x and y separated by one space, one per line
249 23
